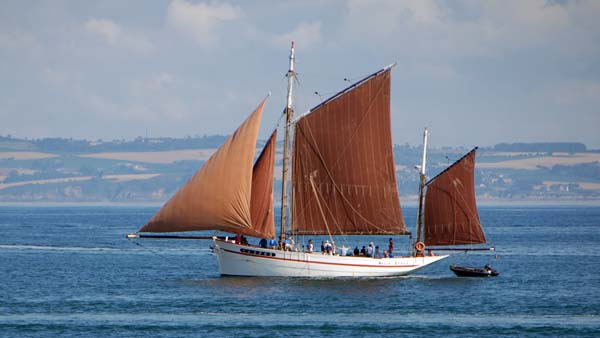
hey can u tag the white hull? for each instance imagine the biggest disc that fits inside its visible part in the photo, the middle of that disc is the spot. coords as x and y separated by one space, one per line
244 260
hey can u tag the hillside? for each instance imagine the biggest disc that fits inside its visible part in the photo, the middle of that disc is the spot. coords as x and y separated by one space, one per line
151 170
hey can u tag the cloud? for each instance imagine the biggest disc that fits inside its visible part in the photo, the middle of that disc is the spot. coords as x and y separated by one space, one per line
54 77
20 42
467 28
115 35
432 71
305 34
201 21
155 97
382 18
17 39
480 61
573 92
107 29
151 85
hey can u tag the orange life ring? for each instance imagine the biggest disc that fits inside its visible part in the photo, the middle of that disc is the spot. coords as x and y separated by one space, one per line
419 246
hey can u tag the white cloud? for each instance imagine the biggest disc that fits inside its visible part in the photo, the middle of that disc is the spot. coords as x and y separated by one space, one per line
435 71
21 42
201 21
573 92
115 35
305 34
154 98
381 18
498 60
467 28
107 29
152 85
516 24
17 39
54 77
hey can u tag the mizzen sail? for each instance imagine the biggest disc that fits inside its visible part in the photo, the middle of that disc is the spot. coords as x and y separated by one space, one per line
345 146
451 216
218 196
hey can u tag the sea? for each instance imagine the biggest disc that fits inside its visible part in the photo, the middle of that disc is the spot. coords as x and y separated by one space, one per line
70 272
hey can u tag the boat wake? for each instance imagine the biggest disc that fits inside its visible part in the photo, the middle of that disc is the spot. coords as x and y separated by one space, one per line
176 251
55 248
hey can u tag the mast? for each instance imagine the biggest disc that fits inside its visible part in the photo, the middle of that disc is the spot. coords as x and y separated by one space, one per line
289 112
422 188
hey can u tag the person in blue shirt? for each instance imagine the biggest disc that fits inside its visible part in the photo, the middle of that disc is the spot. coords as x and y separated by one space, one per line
272 243
286 245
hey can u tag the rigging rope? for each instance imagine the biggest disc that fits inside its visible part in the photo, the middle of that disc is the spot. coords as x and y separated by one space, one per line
312 184
166 258
171 260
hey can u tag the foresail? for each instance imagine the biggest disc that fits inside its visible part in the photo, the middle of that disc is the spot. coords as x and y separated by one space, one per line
451 216
218 196
345 146
261 203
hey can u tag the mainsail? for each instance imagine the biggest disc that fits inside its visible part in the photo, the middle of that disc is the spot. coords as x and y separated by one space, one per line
218 196
343 179
451 216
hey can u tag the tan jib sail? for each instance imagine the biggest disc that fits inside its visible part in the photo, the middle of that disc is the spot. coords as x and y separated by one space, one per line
261 202
345 145
451 216
218 196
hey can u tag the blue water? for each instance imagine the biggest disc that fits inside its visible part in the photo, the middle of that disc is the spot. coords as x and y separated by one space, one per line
68 271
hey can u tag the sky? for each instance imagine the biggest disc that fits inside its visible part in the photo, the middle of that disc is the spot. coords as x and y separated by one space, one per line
473 72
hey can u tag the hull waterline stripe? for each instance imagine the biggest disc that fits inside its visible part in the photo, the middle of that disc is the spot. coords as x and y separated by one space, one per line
325 263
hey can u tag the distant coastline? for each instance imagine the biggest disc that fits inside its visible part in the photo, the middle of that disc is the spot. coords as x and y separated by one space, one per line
148 171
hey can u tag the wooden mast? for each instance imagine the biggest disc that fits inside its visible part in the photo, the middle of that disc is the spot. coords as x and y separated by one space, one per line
289 112
421 191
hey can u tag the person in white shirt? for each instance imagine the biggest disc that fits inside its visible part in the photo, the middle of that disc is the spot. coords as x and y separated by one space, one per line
370 250
328 248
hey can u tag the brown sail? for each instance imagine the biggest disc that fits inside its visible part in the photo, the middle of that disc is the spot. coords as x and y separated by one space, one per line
451 216
217 197
345 145
261 202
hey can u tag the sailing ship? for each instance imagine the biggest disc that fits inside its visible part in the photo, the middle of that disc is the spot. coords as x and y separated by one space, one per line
343 182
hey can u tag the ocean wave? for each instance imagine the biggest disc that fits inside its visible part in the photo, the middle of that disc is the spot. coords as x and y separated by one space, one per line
216 318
